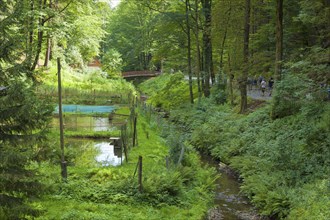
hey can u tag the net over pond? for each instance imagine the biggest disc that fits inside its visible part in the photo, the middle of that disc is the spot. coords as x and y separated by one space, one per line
86 108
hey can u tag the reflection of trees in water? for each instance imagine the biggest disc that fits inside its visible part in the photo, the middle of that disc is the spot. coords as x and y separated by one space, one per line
76 122
109 155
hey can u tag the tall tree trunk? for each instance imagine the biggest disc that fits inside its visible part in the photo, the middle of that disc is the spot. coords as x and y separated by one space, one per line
243 79
224 38
279 50
279 39
231 77
31 33
48 46
42 21
198 52
47 54
207 46
189 54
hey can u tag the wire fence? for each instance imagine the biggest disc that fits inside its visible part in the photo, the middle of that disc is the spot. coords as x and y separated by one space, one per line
92 96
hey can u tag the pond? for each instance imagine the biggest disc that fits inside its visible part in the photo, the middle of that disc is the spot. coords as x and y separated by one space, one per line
86 108
86 123
108 154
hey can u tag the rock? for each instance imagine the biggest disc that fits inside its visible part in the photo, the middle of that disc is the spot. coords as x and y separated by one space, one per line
226 169
214 214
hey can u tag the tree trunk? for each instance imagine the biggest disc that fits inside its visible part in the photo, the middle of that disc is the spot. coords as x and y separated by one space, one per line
279 39
198 52
243 79
231 77
48 46
31 33
42 21
207 46
189 54
47 55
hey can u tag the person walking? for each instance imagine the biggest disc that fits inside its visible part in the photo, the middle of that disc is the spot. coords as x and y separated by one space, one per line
263 85
270 85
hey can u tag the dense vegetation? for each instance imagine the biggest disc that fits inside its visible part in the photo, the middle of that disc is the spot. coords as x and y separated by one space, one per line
283 163
207 51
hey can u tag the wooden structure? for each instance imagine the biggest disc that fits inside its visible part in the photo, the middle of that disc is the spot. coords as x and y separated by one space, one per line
116 142
142 73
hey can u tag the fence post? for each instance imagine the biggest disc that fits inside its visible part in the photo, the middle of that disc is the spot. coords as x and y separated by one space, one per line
124 142
64 172
140 174
134 131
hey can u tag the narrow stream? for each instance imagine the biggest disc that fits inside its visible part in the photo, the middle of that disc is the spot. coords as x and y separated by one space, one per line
229 202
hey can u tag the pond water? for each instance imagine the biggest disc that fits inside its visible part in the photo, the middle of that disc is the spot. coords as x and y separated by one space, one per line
108 154
86 108
86 123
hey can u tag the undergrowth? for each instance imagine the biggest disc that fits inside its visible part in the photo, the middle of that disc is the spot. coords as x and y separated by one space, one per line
281 150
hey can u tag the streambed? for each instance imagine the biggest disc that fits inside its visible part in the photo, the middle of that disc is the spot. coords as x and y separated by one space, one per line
229 203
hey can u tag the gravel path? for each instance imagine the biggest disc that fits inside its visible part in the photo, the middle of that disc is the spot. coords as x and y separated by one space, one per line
256 94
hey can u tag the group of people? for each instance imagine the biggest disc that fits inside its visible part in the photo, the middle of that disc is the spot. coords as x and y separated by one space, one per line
262 84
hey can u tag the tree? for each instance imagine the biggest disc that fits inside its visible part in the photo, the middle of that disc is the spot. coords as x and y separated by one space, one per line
23 124
207 47
243 79
189 53
279 39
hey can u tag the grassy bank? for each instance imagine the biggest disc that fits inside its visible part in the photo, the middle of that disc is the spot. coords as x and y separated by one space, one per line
283 161
95 192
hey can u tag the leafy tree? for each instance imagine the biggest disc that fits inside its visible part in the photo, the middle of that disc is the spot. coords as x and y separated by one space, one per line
112 63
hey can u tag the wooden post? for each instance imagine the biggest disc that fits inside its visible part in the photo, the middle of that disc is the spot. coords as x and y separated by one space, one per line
63 162
123 138
140 174
134 131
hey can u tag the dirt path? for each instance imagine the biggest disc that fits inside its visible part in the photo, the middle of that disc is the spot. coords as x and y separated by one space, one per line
256 94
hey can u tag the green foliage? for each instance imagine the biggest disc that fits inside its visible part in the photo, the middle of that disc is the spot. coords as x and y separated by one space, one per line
311 201
23 122
274 158
167 91
294 93
112 63
91 87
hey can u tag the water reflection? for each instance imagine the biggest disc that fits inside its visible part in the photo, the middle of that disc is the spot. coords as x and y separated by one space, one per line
85 123
109 155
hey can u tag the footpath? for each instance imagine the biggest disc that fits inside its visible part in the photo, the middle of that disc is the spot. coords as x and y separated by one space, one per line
255 93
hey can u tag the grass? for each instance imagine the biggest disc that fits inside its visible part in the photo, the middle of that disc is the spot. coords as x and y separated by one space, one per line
95 192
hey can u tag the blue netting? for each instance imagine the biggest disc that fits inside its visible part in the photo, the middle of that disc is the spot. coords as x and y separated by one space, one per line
86 108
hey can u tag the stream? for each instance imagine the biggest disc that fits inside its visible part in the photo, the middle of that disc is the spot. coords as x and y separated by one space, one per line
229 203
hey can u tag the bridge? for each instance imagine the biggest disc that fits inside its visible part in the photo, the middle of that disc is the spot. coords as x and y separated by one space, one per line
141 73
